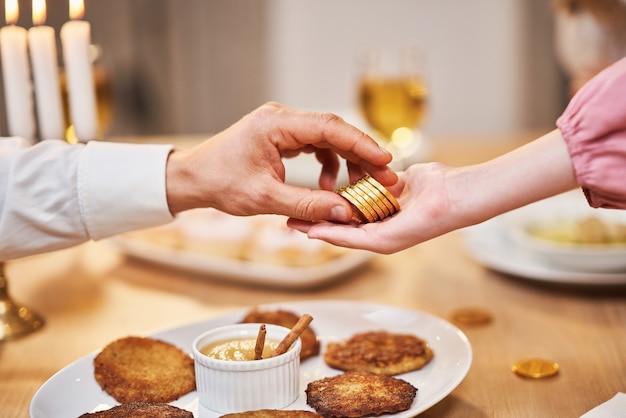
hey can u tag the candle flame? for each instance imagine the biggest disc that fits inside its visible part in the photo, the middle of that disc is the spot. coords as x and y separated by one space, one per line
39 12
77 9
11 11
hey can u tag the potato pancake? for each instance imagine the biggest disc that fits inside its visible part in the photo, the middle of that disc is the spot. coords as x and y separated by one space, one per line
379 352
140 410
358 394
138 369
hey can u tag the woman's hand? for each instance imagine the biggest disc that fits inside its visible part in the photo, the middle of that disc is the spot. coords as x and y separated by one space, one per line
436 199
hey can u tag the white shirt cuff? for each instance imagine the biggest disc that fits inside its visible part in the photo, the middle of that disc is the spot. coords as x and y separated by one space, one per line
121 187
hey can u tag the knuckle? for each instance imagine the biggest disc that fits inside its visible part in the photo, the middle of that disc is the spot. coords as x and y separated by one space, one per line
328 118
306 208
272 106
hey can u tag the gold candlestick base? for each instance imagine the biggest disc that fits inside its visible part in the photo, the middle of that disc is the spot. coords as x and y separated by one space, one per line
15 320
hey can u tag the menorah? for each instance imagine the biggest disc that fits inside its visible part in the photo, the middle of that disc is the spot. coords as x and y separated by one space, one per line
15 320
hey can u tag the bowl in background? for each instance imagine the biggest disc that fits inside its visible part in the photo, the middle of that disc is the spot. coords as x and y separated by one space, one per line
574 238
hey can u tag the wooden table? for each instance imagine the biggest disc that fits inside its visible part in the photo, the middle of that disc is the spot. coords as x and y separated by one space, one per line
90 295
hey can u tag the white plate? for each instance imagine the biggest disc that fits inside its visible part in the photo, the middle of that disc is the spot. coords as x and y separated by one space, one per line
491 244
73 390
212 266
562 213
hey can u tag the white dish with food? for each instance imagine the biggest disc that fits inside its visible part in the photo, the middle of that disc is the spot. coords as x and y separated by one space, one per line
74 391
493 244
257 250
568 234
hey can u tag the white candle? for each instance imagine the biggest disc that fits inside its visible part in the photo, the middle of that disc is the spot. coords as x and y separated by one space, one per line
18 90
75 39
43 55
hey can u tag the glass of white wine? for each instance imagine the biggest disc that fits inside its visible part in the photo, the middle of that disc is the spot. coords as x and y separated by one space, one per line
393 96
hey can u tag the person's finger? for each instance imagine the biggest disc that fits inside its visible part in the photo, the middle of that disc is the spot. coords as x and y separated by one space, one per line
385 237
323 130
330 168
349 236
310 205
355 172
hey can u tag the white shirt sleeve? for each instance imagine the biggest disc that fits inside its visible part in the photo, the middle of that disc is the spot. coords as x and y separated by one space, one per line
54 195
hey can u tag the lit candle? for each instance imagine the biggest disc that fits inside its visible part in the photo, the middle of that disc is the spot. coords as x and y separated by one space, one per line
43 55
75 38
18 90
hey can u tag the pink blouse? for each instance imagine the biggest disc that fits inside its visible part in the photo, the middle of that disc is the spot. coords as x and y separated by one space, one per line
594 128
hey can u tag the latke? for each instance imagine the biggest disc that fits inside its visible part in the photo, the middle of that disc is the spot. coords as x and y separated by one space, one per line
358 394
140 410
138 369
310 344
379 352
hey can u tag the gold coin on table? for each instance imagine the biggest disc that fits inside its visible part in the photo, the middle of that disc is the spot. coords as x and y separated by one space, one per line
472 316
363 206
375 198
384 191
356 203
535 368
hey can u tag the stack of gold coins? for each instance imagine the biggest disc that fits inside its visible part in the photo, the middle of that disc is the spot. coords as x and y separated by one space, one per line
370 200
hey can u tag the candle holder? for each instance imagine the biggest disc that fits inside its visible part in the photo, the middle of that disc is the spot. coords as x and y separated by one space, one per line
15 320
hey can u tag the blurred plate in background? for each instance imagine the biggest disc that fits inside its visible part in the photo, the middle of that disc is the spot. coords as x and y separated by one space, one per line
497 244
258 250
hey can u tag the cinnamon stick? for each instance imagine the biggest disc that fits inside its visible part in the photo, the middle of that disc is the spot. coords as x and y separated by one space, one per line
293 335
260 343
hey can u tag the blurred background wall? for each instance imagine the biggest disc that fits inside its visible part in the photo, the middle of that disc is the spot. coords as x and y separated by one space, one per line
196 66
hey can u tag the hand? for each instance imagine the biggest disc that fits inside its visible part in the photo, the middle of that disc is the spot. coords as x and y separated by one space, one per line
240 170
421 193
436 199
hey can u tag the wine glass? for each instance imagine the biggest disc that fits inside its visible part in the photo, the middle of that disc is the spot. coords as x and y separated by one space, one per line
392 97
15 320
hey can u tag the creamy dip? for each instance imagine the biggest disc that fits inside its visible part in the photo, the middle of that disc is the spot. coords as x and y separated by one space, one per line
238 349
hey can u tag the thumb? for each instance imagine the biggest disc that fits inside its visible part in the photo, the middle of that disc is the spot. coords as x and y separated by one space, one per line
310 205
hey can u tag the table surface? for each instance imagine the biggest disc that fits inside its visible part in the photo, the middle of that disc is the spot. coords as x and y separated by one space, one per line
90 295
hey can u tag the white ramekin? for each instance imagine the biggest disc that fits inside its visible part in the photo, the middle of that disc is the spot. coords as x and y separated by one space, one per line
235 386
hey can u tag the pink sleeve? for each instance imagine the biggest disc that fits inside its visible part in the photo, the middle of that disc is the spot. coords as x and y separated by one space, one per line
594 129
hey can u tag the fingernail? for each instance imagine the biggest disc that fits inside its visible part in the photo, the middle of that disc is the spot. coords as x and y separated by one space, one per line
339 213
384 150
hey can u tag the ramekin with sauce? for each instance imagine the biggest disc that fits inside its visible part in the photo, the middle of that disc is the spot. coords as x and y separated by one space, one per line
229 380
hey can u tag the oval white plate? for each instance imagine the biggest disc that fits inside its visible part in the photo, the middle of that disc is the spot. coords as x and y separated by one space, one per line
74 391
216 267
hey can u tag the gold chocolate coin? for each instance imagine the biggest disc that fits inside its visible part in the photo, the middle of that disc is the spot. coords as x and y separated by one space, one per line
370 201
535 368
472 316
357 214
363 204
358 203
380 198
384 191
374 199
